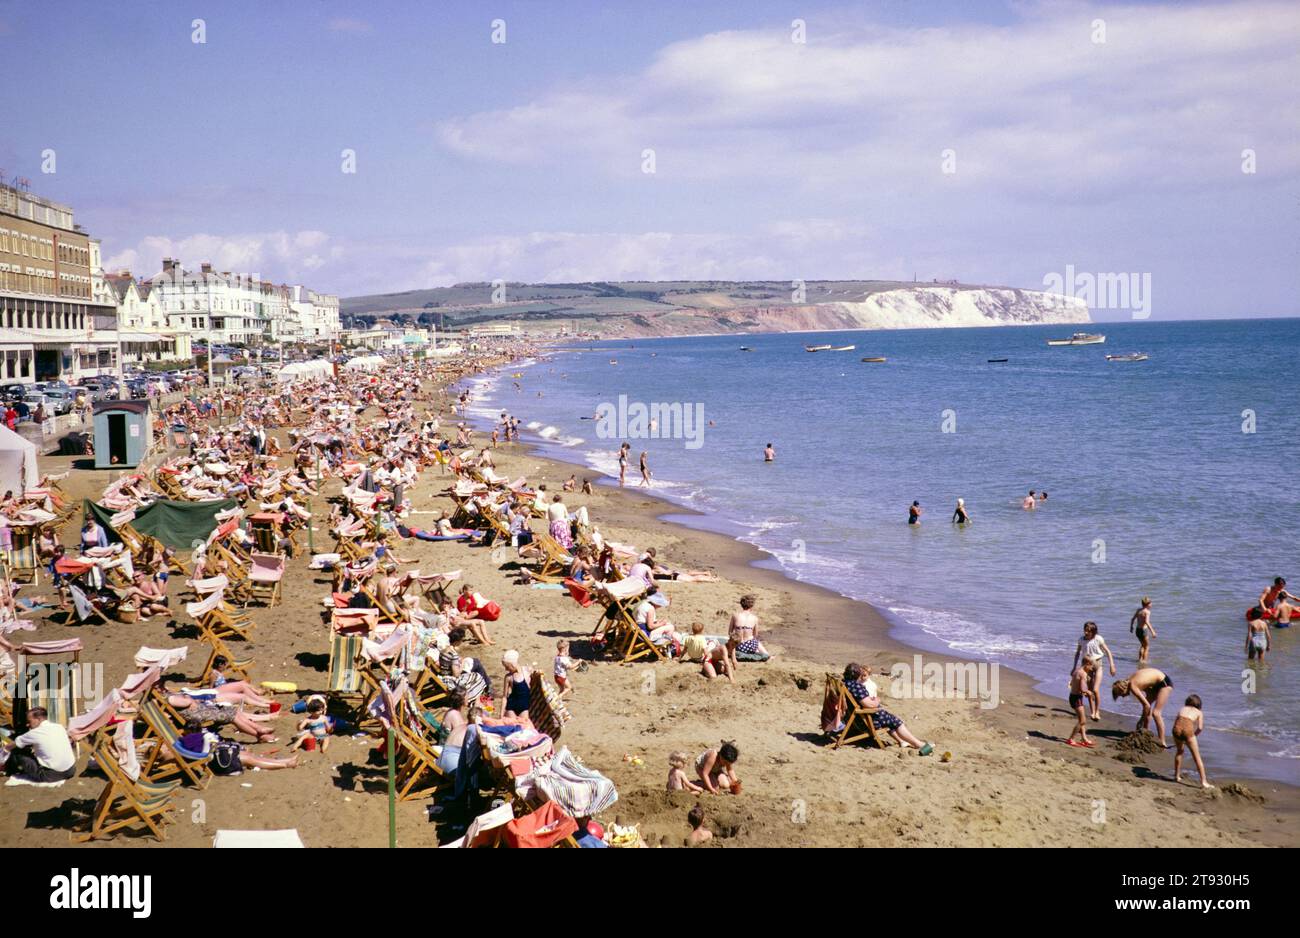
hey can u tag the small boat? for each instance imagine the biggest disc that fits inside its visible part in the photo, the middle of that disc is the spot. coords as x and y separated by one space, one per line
613 361
873 359
1080 338
843 348
996 360
816 348
746 348
1130 357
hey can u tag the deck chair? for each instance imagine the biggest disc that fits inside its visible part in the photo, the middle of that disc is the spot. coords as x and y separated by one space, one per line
125 802
430 689
555 563
845 720
546 827
617 626
216 620
417 772
88 611
264 578
237 668
54 685
344 683
167 759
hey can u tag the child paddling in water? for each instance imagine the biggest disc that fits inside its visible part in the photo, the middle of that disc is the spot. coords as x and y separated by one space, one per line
1188 726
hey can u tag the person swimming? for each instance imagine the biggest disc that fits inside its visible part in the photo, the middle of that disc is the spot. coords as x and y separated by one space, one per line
914 513
960 515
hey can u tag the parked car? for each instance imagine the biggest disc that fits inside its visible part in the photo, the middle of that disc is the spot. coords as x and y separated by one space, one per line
54 405
13 392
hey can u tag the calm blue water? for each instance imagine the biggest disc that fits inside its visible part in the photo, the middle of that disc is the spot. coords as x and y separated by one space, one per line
1149 458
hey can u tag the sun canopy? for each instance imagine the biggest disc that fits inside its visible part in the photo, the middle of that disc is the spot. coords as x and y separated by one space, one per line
17 462
306 371
177 524
364 363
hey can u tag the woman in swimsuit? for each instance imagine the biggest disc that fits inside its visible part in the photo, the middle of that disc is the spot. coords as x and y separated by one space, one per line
1141 626
960 515
742 632
1188 726
1151 688
717 768
518 692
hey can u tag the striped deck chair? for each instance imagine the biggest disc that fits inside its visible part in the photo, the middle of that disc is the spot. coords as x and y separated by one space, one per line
845 720
125 802
434 586
345 674
166 758
43 682
545 708
264 578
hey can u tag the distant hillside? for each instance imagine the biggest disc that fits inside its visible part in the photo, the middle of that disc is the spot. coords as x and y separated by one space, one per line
695 307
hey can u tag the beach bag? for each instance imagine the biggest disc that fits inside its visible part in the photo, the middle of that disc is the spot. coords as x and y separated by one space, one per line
225 758
545 827
489 612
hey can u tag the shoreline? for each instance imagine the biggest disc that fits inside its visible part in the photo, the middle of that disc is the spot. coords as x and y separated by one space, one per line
877 625
994 790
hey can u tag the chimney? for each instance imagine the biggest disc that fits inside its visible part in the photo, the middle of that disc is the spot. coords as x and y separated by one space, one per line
169 264
206 267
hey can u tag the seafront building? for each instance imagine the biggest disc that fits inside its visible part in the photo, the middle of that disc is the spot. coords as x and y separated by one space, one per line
52 325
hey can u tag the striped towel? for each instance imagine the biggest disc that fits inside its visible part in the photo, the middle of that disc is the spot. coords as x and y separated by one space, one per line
576 789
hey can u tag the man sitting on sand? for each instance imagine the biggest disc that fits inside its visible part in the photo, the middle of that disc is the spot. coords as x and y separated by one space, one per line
43 755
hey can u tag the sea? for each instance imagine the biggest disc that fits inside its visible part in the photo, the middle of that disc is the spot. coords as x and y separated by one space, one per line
1173 478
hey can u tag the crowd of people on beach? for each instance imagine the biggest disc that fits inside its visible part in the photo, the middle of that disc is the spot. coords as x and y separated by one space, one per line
361 443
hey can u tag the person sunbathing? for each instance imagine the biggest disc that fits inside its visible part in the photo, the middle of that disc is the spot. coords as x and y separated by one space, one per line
858 682
742 631
199 741
150 597
235 691
209 710
659 571
648 623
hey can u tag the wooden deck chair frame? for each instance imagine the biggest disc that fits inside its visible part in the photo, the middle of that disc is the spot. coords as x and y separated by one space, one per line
344 681
555 564
857 718
237 668
147 803
622 636
430 689
417 766
93 610
266 592
164 760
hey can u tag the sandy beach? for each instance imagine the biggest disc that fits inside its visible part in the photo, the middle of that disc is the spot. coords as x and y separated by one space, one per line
1000 776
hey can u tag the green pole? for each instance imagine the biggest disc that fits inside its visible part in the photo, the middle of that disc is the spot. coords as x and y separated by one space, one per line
392 789
311 530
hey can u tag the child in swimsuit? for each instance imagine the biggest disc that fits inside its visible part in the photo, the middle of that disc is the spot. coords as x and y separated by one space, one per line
1259 639
677 780
1140 624
1081 696
1188 726
316 726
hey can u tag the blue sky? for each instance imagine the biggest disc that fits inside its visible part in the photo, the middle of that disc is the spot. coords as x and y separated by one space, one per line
773 159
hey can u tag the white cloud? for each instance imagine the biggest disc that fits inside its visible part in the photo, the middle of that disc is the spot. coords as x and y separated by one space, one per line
279 256
1171 97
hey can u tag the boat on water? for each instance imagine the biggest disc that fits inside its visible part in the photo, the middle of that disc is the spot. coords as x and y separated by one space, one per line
816 348
994 361
873 359
1080 338
843 348
1130 357
746 348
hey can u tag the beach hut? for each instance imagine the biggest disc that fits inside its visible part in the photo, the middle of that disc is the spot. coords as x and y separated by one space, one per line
17 462
123 433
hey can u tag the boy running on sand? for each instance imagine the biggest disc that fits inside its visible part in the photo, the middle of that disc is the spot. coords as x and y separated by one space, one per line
1081 693
1188 726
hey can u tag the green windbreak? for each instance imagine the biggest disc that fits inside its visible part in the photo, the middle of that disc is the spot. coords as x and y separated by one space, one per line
176 524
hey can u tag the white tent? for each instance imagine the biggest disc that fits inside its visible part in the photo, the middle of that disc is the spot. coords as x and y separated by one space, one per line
17 462
364 363
312 370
